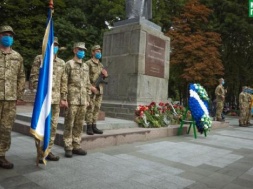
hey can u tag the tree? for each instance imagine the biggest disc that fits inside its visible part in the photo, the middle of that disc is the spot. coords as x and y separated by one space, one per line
195 47
28 19
230 19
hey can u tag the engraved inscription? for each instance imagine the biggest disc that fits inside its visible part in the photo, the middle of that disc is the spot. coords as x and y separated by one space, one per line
155 56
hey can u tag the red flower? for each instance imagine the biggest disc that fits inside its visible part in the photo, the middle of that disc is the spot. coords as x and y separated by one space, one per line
161 104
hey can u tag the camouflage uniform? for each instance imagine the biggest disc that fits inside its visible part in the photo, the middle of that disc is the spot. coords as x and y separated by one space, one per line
244 106
12 86
78 97
96 99
59 90
220 96
248 115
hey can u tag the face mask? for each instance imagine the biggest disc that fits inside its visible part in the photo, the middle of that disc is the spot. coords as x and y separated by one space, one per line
7 41
80 54
56 48
98 55
223 82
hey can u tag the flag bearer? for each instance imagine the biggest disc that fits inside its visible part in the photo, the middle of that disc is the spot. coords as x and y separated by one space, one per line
59 93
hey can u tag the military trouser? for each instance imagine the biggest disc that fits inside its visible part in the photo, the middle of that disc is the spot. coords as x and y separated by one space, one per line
73 126
248 116
55 108
93 109
243 115
7 117
219 109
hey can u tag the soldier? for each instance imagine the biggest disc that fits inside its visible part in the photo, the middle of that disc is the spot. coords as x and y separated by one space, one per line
12 86
248 115
59 93
243 105
78 97
96 69
220 99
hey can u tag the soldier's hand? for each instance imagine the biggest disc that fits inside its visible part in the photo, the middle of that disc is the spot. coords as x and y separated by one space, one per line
94 90
104 72
64 103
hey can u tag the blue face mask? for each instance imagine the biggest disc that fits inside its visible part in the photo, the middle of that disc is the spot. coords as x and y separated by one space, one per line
223 82
80 54
7 41
56 48
98 55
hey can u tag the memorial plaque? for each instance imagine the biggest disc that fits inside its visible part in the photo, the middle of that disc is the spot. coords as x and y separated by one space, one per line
155 56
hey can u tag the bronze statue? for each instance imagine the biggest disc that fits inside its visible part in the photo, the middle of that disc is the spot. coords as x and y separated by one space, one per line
139 9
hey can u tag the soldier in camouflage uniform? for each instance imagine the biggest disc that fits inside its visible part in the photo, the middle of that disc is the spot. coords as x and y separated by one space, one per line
243 105
220 99
248 115
96 69
78 97
59 93
12 86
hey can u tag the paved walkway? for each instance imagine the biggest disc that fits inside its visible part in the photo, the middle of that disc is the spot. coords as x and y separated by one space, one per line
223 159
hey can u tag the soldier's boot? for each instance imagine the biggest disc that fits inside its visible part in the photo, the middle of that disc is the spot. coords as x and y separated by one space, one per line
79 151
89 130
52 157
68 153
96 130
4 163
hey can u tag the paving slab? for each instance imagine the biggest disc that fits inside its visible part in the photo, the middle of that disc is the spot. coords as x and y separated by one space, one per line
222 160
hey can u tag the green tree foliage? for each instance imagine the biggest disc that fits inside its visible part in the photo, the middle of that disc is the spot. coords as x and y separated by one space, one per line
230 19
195 48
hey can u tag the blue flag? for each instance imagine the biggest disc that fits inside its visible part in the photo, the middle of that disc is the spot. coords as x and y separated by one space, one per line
41 117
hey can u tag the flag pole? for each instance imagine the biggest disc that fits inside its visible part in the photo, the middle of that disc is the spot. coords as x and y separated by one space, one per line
37 141
51 5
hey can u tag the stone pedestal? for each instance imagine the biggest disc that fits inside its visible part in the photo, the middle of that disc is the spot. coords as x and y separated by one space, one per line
136 54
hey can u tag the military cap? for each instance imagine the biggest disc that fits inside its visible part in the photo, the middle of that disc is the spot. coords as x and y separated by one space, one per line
221 79
56 40
6 28
80 45
95 47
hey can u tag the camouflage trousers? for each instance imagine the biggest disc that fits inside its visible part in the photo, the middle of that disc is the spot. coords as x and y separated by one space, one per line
248 116
7 118
93 109
219 109
73 126
243 115
55 108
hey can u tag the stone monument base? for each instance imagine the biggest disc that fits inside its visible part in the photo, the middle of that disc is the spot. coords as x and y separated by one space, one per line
136 54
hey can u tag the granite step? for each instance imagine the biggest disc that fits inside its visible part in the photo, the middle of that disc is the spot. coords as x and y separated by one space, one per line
116 131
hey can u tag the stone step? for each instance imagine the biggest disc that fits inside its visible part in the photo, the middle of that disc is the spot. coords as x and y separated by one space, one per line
109 137
106 124
112 137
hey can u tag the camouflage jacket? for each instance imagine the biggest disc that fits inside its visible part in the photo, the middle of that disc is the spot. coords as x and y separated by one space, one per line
243 100
59 86
78 82
219 93
94 72
12 76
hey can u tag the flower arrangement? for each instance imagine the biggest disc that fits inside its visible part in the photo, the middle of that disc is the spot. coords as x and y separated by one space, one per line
198 104
160 115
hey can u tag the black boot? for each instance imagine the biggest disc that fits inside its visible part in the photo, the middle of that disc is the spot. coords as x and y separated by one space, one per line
96 130
89 130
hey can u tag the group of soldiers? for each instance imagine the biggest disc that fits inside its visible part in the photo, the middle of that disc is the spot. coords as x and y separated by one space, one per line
245 103
73 88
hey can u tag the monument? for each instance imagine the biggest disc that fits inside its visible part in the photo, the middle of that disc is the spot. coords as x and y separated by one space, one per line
136 53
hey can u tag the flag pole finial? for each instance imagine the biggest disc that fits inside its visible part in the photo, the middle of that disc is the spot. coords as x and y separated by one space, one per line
51 4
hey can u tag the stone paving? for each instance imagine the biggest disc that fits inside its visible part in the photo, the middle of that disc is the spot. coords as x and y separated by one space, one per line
222 160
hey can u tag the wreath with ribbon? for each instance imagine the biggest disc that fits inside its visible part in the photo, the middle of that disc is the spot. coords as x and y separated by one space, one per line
198 105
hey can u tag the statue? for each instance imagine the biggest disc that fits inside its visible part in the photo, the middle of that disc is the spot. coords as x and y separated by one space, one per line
139 9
